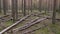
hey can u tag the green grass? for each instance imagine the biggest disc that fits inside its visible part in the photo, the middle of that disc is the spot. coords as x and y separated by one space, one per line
54 28
42 31
8 23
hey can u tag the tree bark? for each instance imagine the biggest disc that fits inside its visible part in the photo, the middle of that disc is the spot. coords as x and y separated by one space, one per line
4 8
24 8
59 7
16 4
0 6
40 5
28 7
14 10
31 5
5 4
54 13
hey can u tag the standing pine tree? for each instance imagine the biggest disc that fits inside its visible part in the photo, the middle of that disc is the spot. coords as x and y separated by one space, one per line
54 13
14 10
0 6
24 8
40 5
31 6
5 6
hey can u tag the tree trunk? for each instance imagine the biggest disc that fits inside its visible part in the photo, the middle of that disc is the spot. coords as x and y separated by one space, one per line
40 5
54 13
5 6
16 4
31 6
24 8
0 6
59 7
28 7
14 10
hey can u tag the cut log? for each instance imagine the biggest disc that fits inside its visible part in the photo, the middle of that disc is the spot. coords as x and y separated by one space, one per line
30 24
34 29
8 28
26 25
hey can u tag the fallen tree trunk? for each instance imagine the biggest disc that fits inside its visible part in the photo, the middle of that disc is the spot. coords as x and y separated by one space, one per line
34 29
8 28
25 26
30 24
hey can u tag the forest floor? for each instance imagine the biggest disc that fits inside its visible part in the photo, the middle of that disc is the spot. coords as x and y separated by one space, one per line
50 29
